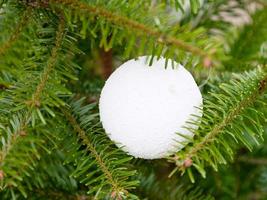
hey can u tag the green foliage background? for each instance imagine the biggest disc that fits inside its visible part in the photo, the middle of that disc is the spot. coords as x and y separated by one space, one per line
55 56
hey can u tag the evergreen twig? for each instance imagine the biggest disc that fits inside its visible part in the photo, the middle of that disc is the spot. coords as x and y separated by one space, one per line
50 65
212 135
38 91
21 130
17 31
117 189
131 24
11 142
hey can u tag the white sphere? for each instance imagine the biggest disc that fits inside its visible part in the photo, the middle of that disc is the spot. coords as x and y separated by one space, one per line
142 107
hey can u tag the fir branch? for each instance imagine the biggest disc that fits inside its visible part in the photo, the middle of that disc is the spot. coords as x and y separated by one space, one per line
13 138
14 164
21 123
125 22
203 148
226 121
50 65
117 189
36 95
17 30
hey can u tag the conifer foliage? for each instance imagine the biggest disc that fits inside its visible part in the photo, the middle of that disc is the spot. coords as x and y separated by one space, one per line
54 58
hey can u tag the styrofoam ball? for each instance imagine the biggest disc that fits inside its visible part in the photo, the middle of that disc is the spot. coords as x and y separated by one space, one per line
142 107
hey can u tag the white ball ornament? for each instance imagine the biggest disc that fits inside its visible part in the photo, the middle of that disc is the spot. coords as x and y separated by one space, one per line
142 107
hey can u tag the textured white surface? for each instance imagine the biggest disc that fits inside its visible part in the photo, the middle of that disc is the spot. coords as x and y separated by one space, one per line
143 107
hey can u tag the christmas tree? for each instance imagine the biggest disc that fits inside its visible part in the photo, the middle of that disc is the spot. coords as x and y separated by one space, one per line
55 139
